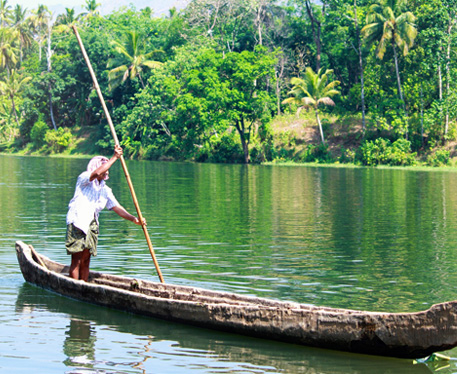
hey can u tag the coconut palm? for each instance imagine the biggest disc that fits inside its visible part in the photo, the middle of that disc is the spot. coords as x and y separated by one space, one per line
91 9
11 87
8 50
23 27
130 60
40 20
388 24
5 13
65 21
312 91
66 18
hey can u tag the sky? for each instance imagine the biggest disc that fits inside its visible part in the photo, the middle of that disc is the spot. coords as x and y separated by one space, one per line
57 7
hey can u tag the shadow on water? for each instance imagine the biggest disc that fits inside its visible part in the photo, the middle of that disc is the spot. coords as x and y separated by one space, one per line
84 319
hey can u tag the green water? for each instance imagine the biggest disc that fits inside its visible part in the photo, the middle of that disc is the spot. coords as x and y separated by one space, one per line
355 238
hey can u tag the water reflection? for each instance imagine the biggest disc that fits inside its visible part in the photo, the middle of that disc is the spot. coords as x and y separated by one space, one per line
153 341
79 344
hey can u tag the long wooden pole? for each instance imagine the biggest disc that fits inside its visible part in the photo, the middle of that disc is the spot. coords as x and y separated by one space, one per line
116 141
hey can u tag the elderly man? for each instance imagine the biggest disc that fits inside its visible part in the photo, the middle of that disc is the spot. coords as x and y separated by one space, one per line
91 196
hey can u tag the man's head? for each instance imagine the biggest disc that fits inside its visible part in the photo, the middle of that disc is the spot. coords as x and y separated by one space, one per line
95 163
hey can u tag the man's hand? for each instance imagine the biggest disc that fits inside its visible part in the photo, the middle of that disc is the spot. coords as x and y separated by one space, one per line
137 221
118 151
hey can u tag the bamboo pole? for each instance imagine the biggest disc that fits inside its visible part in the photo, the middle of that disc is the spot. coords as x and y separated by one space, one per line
116 141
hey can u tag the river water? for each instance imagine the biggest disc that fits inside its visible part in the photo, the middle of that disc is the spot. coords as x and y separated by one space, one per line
372 239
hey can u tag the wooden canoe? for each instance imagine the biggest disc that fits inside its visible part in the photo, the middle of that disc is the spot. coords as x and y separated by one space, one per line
403 335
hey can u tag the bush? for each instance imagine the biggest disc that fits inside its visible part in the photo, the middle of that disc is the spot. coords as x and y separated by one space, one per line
383 152
440 158
220 149
375 152
228 149
38 133
257 154
58 141
400 153
347 156
316 153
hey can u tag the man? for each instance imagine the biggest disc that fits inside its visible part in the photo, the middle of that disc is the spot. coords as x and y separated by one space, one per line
91 196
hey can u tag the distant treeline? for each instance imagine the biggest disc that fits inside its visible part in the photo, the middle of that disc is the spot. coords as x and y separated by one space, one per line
206 82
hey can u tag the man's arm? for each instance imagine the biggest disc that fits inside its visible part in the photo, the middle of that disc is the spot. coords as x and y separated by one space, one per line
120 210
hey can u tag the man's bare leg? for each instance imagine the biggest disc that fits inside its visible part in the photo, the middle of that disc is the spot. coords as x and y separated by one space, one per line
79 268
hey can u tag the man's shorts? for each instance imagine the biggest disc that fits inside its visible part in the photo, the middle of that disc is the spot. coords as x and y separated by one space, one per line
77 241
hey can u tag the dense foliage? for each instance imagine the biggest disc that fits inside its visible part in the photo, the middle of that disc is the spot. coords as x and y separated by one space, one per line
208 82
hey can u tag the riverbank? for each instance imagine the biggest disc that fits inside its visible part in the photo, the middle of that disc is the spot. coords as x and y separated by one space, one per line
287 139
297 139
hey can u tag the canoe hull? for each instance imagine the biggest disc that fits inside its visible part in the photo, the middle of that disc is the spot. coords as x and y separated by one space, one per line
404 335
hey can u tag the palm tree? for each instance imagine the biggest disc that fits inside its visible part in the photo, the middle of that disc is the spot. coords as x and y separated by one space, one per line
8 50
388 24
11 87
5 13
91 9
313 91
65 21
66 18
40 20
130 61
23 27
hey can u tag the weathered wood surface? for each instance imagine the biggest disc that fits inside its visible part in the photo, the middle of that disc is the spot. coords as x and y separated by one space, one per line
405 335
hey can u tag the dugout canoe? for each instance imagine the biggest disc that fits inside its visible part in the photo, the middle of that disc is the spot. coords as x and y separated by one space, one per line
403 335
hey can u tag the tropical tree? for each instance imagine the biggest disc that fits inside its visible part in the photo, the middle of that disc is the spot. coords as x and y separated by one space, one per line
359 52
388 24
242 98
6 128
130 60
40 19
23 27
8 50
5 13
316 26
452 14
91 9
11 87
67 18
312 91
65 21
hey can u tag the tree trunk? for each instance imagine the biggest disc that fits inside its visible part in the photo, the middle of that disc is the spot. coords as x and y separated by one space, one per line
244 142
422 116
14 111
316 27
217 5
400 92
259 18
320 126
279 76
448 74
440 83
141 80
39 48
259 24
20 52
48 56
359 50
